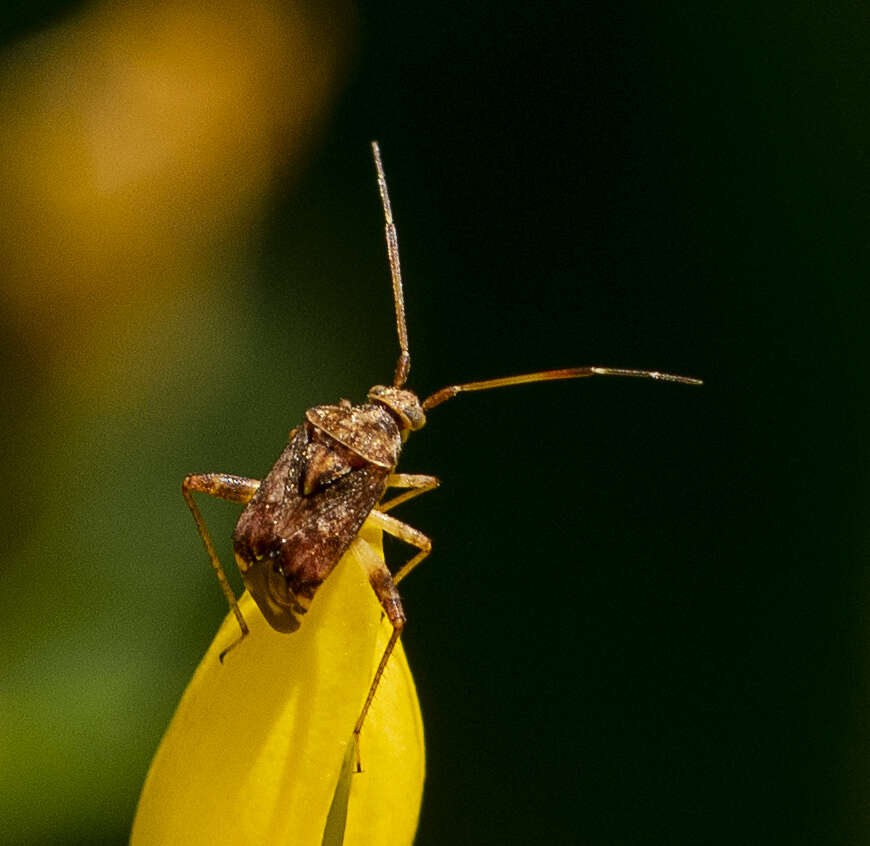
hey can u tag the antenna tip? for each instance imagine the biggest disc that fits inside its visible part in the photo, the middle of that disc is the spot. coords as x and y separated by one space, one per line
683 380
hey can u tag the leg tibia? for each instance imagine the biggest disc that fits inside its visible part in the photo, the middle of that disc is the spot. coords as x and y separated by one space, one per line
235 489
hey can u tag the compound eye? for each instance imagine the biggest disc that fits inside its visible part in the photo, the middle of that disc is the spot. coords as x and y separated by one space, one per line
415 416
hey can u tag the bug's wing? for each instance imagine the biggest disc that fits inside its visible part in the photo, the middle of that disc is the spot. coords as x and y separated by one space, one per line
287 542
323 524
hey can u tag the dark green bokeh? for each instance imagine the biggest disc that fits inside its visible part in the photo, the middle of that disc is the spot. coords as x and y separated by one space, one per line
643 622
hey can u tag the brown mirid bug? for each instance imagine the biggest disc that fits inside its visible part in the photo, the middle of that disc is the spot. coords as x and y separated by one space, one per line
331 478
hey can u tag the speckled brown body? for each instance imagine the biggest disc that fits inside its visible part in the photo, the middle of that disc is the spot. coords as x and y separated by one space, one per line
311 505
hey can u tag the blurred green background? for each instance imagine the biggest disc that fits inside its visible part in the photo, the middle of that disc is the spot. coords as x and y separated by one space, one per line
645 619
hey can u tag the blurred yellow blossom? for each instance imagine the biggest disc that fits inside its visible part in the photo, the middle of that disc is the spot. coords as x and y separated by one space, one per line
138 138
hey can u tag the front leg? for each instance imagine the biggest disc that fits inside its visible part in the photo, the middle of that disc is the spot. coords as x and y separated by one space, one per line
223 486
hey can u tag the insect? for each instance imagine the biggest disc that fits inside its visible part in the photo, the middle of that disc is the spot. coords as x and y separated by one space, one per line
332 477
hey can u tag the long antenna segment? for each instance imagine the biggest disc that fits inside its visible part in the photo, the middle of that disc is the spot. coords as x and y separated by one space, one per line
547 375
403 365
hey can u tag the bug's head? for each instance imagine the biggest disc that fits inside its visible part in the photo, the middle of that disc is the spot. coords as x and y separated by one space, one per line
403 404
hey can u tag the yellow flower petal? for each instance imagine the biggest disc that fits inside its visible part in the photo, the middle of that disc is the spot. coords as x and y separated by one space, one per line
255 750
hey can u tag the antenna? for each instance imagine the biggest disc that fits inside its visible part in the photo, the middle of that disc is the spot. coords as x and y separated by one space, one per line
547 375
403 365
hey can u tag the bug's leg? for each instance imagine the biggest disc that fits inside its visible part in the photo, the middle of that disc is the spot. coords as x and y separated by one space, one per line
403 532
384 583
223 486
417 483
385 589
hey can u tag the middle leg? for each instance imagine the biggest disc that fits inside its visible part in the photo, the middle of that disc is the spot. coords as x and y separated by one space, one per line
408 534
